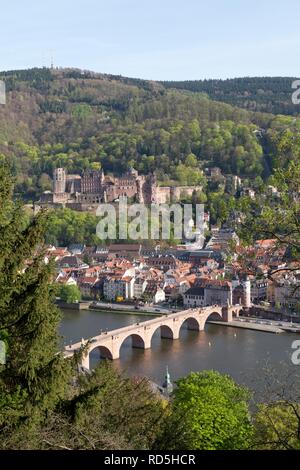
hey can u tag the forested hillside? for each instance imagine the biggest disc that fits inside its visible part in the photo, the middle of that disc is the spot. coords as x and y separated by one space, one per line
264 94
78 119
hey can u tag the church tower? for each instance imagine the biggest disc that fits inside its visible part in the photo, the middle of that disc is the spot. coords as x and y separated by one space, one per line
167 384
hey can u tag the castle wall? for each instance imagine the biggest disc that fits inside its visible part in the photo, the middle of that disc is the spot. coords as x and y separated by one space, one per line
166 194
163 194
89 198
179 192
60 198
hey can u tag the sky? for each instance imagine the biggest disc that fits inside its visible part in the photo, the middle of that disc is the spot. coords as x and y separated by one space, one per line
154 39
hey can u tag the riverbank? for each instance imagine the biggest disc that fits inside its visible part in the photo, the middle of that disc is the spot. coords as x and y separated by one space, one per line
131 309
250 326
115 309
82 305
123 309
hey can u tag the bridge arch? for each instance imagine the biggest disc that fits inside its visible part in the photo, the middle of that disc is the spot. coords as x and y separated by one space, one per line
165 332
137 341
191 322
104 351
216 315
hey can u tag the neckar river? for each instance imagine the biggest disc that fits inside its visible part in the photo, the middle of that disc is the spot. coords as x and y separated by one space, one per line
239 352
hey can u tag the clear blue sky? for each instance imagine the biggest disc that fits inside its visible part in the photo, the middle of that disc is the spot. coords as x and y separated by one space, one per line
154 39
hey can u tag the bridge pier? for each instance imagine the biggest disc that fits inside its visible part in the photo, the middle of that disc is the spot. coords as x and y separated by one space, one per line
175 334
227 314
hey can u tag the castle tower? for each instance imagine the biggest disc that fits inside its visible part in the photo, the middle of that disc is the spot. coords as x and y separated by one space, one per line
59 181
153 188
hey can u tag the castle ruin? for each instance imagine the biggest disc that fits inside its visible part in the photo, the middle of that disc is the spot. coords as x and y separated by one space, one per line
87 191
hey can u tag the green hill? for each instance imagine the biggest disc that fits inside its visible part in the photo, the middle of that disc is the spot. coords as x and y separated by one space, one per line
80 119
264 94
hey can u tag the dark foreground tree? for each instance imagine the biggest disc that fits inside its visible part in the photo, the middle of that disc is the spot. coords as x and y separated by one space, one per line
34 377
44 401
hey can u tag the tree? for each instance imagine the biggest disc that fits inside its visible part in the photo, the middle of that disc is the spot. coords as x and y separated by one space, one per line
277 426
34 377
191 161
277 419
45 402
69 294
111 412
213 412
279 218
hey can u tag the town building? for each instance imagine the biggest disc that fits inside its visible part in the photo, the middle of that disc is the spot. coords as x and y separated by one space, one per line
118 288
154 293
194 297
208 292
285 293
259 289
139 287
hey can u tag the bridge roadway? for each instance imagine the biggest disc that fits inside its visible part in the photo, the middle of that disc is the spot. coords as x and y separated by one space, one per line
109 342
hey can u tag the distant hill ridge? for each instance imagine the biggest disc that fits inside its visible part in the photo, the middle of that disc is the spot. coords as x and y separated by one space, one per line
264 94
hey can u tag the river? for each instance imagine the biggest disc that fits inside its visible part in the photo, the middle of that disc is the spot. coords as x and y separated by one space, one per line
241 353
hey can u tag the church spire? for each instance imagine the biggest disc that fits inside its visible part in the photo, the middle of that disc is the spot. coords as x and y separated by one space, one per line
167 384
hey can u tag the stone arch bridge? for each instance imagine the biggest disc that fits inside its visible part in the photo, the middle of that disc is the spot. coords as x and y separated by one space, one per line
109 343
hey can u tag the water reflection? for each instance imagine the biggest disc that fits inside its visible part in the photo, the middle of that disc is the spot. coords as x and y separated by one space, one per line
240 353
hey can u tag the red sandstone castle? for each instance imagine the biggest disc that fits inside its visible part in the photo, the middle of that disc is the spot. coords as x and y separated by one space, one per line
93 187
